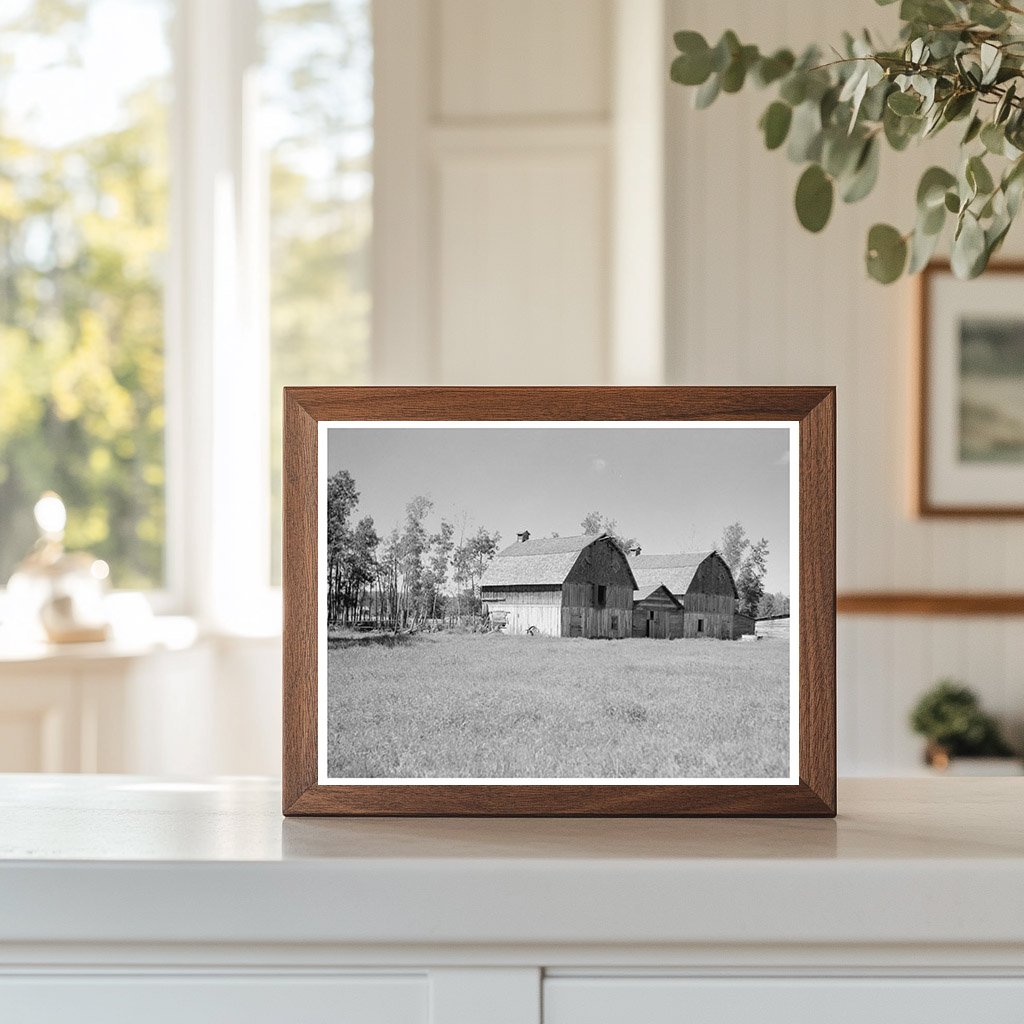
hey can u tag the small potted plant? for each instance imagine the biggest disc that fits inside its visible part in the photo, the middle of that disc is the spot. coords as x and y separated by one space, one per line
950 717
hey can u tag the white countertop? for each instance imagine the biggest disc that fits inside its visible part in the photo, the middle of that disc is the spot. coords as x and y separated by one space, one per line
121 859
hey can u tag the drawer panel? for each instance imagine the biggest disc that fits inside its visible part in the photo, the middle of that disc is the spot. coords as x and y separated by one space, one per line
202 999
782 1001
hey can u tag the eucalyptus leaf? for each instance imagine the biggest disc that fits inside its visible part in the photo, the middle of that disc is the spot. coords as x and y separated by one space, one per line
771 69
814 196
775 124
805 133
886 253
707 93
865 173
931 190
922 248
903 103
993 138
978 176
968 248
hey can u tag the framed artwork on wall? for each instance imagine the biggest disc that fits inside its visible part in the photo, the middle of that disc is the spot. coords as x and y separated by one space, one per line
970 445
559 601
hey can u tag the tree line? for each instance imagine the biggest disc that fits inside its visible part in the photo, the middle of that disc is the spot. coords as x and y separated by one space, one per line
411 577
408 578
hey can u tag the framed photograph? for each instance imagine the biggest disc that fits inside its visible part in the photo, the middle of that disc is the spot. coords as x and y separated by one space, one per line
970 450
559 601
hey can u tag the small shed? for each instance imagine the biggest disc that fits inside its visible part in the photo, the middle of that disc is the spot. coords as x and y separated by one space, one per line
701 582
657 614
743 625
561 586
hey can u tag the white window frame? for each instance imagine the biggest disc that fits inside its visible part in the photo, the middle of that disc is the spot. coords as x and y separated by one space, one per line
218 515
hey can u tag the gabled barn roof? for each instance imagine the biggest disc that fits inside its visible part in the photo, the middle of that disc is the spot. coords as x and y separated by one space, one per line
675 571
545 561
649 591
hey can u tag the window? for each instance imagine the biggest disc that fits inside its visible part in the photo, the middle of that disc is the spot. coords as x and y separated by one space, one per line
227 150
317 126
602 595
83 240
700 625
615 623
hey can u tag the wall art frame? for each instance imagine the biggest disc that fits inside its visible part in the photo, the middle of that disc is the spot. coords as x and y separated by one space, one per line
319 421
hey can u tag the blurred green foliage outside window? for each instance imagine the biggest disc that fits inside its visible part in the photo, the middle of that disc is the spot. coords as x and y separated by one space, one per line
83 236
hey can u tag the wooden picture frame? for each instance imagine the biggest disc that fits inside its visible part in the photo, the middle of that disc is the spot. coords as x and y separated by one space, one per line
939 491
809 413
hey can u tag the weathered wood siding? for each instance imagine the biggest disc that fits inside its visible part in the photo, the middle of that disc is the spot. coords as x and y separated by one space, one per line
710 601
540 607
658 616
742 625
597 596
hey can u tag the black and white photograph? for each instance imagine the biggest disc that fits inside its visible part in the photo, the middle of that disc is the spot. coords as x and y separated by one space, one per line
566 601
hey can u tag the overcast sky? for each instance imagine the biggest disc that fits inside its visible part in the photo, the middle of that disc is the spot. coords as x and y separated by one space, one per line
674 489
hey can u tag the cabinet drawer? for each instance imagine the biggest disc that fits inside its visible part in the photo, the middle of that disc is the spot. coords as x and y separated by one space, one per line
676 1000
202 999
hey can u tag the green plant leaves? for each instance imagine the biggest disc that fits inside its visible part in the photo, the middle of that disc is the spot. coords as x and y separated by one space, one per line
814 196
693 65
865 173
775 122
904 103
956 60
886 254
932 189
969 255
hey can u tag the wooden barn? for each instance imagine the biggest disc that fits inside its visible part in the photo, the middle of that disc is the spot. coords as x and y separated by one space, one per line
743 625
561 586
701 582
657 614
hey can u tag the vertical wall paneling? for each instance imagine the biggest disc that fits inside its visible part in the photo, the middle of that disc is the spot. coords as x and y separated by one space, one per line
638 200
751 298
493 198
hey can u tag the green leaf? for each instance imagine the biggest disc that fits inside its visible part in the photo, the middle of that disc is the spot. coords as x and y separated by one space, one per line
775 124
931 191
794 89
771 69
900 130
969 254
958 106
725 50
978 176
865 173
973 130
805 133
693 65
993 138
886 254
735 74
904 103
922 247
987 15
839 151
952 202
814 194
707 93
1004 106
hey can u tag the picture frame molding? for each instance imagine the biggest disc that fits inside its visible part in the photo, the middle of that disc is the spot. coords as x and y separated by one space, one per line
814 410
923 505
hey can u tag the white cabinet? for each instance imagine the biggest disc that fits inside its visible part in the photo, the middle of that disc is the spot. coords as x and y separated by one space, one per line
133 899
216 1000
667 1000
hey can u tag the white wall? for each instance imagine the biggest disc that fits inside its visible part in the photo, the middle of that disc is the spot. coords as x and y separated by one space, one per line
754 299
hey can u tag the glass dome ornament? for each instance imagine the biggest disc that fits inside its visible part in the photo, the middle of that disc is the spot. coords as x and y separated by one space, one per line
55 595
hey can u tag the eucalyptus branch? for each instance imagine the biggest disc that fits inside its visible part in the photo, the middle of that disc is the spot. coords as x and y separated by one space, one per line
953 58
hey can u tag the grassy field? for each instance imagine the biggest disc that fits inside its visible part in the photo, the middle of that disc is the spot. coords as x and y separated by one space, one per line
493 706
